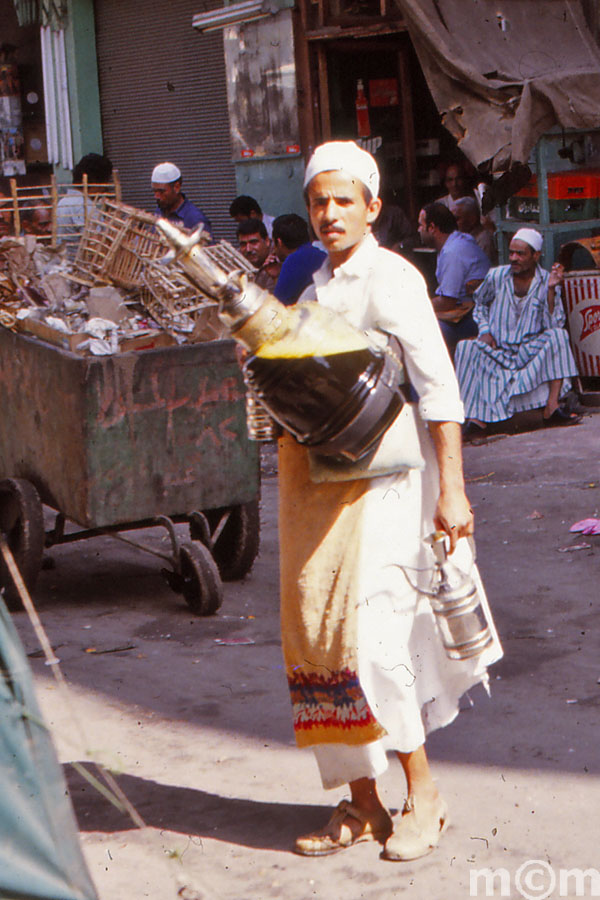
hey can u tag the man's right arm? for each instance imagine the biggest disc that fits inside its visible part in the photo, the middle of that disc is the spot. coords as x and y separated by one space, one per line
451 279
442 304
484 296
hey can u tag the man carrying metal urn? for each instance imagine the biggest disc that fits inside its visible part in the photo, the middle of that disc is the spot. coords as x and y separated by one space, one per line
369 485
365 662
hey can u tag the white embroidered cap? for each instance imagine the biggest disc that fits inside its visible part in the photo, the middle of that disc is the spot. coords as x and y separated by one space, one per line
347 157
531 237
165 173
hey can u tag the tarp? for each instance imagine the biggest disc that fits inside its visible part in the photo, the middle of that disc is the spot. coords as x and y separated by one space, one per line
504 72
40 856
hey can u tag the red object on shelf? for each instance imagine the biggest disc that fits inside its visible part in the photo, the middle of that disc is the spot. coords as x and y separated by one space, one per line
363 124
572 184
383 92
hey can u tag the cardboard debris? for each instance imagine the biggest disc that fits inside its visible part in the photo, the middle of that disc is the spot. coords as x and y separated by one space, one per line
107 303
45 294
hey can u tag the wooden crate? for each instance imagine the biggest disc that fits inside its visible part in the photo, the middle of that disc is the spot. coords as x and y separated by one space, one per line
180 306
48 196
116 244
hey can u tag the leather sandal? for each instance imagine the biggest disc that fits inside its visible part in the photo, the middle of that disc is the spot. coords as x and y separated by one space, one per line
415 835
332 838
561 417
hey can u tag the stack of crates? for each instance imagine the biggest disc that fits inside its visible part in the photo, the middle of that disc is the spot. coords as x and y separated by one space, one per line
572 197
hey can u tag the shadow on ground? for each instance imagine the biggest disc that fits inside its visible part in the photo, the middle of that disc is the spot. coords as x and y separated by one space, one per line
248 823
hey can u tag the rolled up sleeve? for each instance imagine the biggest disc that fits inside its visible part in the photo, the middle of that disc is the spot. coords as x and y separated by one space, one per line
403 308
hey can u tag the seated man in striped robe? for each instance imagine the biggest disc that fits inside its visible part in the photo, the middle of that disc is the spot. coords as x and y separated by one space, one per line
521 358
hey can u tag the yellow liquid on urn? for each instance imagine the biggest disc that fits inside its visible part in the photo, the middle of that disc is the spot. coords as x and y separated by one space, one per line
314 335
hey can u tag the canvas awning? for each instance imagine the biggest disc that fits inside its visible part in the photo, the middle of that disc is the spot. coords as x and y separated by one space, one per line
40 856
504 72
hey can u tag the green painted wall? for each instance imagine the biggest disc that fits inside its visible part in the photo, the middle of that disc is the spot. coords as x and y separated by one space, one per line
276 183
82 71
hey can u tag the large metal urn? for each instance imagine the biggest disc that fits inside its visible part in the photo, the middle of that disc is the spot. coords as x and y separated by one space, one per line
323 380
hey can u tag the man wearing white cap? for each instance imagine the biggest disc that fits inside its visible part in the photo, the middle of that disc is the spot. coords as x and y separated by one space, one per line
521 359
171 202
365 665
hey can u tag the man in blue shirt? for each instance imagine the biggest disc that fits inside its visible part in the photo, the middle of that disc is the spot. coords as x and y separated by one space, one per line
298 256
171 202
461 267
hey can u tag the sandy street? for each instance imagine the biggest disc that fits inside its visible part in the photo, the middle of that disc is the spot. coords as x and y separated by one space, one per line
197 723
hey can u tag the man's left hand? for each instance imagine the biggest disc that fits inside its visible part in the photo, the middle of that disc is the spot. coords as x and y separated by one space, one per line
453 512
454 515
557 274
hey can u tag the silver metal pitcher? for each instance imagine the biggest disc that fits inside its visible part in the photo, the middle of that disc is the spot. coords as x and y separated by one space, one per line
459 613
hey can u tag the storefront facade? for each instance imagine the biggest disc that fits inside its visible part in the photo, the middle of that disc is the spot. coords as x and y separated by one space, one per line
336 57
235 94
23 146
163 97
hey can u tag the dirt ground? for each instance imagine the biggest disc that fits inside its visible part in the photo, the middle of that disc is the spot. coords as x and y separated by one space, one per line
198 724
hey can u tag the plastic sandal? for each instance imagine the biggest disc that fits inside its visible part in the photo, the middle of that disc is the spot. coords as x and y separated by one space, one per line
560 417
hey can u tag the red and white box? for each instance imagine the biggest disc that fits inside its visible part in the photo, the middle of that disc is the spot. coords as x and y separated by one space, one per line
581 292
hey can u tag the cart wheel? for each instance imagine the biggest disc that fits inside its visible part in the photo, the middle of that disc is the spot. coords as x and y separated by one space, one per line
236 547
22 523
200 580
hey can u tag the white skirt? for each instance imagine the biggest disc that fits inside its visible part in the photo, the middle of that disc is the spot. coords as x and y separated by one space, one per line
411 685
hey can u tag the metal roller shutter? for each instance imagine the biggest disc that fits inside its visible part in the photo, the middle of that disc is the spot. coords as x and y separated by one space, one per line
163 96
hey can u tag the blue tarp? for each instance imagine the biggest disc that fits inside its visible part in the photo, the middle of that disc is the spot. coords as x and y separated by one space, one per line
40 855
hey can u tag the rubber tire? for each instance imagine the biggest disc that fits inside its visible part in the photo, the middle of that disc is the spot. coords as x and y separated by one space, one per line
22 522
237 546
202 587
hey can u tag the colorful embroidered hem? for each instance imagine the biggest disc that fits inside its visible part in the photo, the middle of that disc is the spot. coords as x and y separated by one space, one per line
331 708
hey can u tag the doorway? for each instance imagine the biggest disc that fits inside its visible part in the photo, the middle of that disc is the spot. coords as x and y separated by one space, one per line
403 132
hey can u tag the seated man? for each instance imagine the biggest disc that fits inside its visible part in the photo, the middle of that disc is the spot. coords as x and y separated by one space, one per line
36 218
522 358
244 207
456 182
258 250
393 229
71 208
468 219
171 202
299 259
461 265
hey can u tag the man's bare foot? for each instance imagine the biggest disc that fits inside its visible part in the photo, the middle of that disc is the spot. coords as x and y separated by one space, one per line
549 408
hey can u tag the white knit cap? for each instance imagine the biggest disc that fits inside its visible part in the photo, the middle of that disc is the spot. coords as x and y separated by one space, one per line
347 157
531 237
165 173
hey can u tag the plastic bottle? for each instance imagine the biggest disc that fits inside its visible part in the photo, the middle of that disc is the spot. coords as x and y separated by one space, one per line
363 124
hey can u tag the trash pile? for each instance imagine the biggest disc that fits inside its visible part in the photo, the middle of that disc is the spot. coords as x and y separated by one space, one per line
116 295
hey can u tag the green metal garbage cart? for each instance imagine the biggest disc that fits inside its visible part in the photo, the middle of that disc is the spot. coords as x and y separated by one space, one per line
122 442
